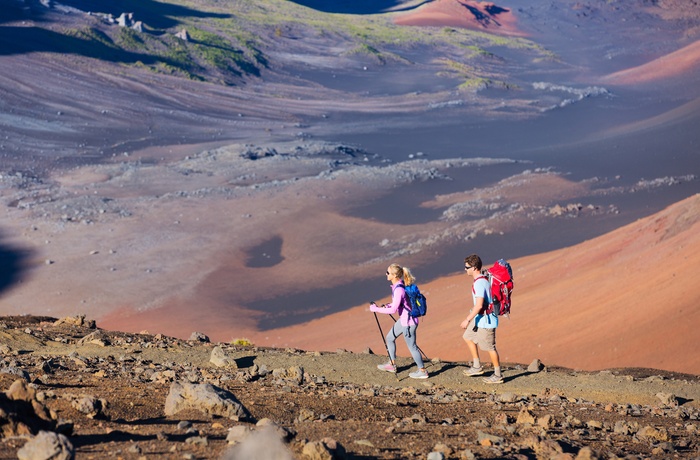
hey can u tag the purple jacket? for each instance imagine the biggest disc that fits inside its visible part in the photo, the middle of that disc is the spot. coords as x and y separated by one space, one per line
399 303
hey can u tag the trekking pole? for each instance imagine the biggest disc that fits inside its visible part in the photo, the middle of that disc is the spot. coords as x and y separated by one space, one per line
386 347
419 349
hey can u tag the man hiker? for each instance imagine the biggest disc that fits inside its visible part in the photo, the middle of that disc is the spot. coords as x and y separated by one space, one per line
480 328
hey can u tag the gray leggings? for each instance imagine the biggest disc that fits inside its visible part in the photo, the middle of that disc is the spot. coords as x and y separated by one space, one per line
409 334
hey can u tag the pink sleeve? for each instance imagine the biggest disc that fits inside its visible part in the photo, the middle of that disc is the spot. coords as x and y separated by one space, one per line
396 300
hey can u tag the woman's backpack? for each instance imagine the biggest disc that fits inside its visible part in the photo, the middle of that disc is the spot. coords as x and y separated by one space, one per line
419 306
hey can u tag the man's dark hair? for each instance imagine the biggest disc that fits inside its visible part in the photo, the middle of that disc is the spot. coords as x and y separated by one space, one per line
473 261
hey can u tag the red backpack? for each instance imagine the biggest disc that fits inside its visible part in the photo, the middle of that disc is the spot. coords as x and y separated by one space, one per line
500 277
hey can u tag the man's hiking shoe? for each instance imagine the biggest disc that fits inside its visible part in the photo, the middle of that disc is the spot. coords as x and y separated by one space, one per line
387 367
473 371
419 374
493 379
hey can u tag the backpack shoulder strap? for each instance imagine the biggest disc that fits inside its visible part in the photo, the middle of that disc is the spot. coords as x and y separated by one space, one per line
404 298
476 279
400 283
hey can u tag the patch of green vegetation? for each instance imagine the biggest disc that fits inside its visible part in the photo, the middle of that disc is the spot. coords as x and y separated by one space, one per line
250 45
214 50
220 52
91 36
94 43
479 83
474 79
381 57
130 39
177 55
473 84
477 41
367 50
547 57
456 69
477 51
168 69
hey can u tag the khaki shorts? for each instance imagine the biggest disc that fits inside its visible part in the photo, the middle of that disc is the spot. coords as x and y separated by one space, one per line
484 338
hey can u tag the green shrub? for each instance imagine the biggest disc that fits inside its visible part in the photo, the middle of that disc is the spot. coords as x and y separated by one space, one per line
130 39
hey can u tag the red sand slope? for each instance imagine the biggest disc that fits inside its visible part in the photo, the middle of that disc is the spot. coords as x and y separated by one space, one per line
468 14
625 299
685 60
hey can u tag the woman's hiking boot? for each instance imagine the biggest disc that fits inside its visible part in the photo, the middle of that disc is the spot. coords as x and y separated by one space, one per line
419 374
387 367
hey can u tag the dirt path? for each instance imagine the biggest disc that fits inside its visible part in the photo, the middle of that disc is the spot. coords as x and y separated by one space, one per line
634 386
106 391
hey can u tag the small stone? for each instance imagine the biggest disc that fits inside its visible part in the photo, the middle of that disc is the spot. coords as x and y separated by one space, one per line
525 417
667 399
316 450
651 433
594 425
487 440
199 337
586 454
47 444
535 366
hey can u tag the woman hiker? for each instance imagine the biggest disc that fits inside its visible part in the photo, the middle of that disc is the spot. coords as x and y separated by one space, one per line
406 324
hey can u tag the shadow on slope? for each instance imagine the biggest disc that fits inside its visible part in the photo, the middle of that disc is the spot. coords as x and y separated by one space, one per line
11 12
12 262
19 40
205 52
359 6
156 14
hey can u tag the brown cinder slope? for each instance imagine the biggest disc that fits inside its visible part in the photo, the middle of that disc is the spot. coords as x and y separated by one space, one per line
684 60
626 299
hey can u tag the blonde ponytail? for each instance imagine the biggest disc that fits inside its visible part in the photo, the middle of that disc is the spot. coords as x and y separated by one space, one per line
408 278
